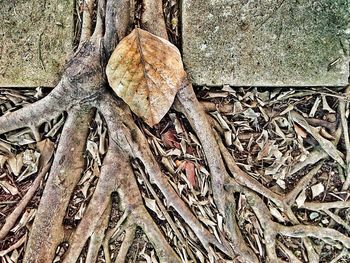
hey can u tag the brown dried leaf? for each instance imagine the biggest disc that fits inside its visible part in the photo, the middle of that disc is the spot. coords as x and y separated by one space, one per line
8 187
190 173
146 71
300 131
170 140
46 148
16 163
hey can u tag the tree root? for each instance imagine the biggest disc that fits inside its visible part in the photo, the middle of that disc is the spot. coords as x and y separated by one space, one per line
129 138
132 205
47 231
97 237
82 90
33 115
107 183
127 242
86 28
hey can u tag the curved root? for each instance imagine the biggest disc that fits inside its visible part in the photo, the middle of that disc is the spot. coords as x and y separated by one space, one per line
97 236
129 137
33 115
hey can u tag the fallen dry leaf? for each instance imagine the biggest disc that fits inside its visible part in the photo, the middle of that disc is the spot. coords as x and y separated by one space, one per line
317 189
8 187
300 131
146 71
190 173
170 141
16 163
301 199
46 148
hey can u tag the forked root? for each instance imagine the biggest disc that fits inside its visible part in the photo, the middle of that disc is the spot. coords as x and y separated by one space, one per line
127 242
133 207
98 205
97 237
129 137
272 229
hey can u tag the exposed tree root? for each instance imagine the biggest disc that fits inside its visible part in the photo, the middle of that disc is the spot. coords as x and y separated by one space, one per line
127 242
82 90
101 198
33 115
132 205
47 231
129 138
87 29
97 237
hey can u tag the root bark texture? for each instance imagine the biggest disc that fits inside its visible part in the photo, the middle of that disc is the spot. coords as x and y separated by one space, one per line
82 91
47 231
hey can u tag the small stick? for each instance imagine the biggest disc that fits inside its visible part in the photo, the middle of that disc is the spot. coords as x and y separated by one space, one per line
344 122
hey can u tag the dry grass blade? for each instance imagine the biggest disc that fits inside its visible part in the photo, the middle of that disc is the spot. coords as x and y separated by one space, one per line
146 71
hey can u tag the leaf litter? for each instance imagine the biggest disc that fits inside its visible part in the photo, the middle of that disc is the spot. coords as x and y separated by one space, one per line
271 135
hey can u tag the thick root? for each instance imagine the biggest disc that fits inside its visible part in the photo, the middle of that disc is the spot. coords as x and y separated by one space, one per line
117 23
86 28
129 138
127 242
153 19
132 204
98 205
97 237
33 115
47 231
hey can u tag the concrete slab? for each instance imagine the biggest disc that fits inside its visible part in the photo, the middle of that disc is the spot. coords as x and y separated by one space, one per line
266 42
35 39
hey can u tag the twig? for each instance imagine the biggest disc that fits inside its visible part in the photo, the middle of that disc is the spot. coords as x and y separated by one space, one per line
337 219
302 184
14 246
328 235
289 254
344 122
315 156
325 206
